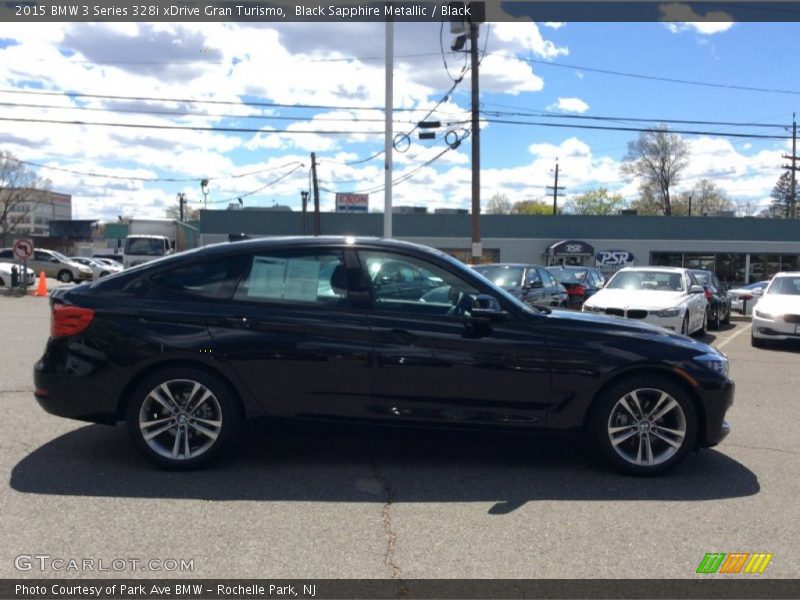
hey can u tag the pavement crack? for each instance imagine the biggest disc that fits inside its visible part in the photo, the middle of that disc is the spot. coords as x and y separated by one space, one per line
782 451
391 534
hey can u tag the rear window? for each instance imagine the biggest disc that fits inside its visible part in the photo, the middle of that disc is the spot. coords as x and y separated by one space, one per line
210 279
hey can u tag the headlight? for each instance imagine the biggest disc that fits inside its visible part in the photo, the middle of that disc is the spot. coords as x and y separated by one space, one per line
715 362
668 313
590 308
764 315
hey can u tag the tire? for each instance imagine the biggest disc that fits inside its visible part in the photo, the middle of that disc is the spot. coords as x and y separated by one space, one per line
715 320
685 323
65 276
208 428
644 425
727 319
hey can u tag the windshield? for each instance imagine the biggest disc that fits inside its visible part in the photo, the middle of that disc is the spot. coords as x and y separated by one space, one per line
145 246
647 280
505 277
786 286
702 278
569 275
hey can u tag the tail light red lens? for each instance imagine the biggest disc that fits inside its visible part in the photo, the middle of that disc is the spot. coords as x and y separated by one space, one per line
745 297
69 320
577 290
709 295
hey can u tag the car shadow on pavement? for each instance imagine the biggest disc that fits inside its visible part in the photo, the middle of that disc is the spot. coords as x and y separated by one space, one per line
314 462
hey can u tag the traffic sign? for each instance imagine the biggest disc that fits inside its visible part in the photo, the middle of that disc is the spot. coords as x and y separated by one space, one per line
23 249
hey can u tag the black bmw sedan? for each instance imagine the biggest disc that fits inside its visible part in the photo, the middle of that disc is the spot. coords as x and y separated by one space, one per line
186 347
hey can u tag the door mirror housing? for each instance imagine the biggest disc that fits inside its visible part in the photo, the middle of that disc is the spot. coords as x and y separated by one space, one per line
485 308
758 292
697 289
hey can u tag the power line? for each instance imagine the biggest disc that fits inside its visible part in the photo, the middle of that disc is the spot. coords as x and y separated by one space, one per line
263 187
744 88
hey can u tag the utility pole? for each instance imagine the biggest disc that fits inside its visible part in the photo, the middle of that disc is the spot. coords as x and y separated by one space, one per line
556 190
477 250
304 199
181 204
792 200
316 192
388 140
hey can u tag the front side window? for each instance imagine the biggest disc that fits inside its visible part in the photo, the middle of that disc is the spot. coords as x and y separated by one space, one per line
433 290
317 277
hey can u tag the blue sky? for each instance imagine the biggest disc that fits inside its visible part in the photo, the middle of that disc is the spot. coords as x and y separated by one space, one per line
548 69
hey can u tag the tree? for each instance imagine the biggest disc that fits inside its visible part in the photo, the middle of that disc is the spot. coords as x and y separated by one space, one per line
781 198
704 197
189 213
596 202
21 191
532 207
657 158
498 204
647 203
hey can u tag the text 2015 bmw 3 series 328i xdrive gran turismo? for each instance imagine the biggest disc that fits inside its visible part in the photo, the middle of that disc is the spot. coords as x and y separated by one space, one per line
186 347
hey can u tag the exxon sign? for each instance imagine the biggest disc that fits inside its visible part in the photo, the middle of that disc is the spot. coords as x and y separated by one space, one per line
352 202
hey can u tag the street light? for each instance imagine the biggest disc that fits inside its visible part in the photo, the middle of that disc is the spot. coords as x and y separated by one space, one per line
304 197
204 189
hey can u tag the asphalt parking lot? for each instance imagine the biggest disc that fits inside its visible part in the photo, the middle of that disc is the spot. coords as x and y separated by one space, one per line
322 502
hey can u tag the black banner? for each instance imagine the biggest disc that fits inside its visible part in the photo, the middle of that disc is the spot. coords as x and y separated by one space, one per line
742 587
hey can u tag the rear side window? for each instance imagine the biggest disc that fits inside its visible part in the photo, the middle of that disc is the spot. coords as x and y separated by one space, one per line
294 277
210 279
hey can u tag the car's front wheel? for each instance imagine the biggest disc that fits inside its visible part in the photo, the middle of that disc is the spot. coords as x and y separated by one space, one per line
181 418
65 276
644 425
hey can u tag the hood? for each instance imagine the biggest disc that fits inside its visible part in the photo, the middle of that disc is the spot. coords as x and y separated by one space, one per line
779 304
650 300
631 327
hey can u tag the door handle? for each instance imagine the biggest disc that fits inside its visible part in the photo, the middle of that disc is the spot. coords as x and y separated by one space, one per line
399 336
238 322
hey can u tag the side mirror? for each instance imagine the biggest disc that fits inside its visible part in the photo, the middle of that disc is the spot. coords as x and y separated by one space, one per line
697 289
758 292
600 284
536 283
484 309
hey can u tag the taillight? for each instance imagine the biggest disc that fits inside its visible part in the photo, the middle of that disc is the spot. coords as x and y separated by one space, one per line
69 320
745 297
576 290
709 295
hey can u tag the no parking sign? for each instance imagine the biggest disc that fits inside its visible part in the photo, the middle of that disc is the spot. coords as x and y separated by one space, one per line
23 249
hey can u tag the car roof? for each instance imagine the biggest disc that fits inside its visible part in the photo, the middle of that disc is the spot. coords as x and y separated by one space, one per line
787 274
509 265
657 269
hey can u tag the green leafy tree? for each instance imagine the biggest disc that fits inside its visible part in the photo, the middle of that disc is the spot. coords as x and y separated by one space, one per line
596 202
781 198
647 202
657 158
532 207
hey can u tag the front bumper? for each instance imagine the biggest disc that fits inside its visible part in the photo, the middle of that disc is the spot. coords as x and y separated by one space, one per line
774 329
716 403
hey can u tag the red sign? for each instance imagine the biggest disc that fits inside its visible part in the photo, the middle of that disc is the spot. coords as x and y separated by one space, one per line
352 202
23 249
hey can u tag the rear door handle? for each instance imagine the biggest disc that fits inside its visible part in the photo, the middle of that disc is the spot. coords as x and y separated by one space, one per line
238 322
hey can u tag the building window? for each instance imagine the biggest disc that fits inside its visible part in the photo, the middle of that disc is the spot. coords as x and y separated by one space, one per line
730 267
666 259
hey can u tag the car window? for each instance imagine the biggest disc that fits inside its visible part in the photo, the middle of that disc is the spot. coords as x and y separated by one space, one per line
6 254
317 277
434 290
209 279
505 276
39 255
647 280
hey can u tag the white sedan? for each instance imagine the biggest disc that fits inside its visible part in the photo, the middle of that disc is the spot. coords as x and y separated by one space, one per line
777 314
5 275
669 297
98 268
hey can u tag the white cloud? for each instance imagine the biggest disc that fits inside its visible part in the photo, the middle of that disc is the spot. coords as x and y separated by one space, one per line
683 18
575 105
554 24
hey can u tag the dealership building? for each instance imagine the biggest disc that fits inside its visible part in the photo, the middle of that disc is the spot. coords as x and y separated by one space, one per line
738 249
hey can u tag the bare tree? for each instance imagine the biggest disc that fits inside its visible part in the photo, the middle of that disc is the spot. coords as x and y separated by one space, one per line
657 157
498 204
21 191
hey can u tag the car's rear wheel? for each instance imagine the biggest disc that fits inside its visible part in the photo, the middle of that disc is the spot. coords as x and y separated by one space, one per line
644 425
65 276
181 418
727 317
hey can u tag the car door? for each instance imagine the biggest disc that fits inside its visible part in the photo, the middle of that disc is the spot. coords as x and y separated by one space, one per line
554 294
433 365
293 336
533 290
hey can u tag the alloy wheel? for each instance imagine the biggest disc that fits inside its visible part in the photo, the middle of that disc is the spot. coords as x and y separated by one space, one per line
647 427
180 419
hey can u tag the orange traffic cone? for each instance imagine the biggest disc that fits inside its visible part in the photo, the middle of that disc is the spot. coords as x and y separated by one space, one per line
41 290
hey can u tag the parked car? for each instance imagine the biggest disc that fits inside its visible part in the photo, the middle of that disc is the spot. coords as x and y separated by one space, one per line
112 256
581 283
530 283
184 348
401 281
5 275
719 302
669 297
54 264
777 314
744 298
99 269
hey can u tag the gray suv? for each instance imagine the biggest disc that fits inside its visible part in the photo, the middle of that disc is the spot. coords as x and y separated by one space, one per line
54 264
